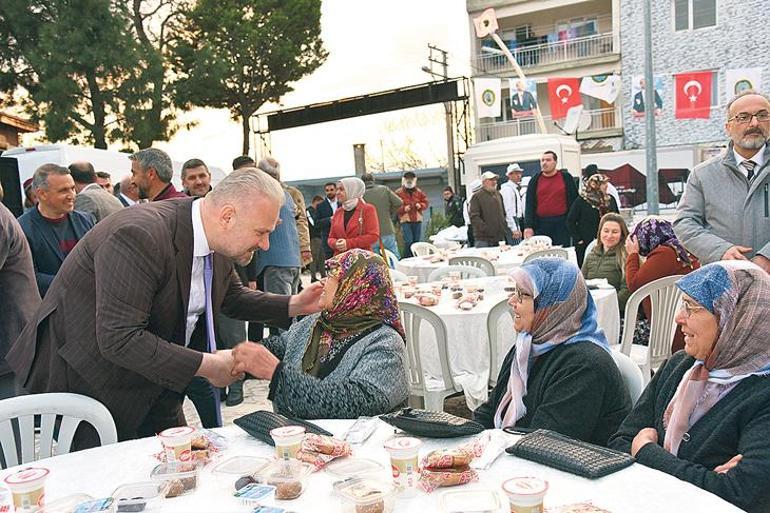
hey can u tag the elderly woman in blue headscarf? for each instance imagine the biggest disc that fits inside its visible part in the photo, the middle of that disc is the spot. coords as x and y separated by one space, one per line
705 416
559 375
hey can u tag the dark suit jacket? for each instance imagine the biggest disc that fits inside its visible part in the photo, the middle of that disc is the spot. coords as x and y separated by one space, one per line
638 105
528 102
18 292
323 216
112 325
46 253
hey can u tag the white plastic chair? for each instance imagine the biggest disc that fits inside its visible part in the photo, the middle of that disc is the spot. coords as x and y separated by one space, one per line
72 408
465 271
664 297
474 261
398 276
550 252
632 375
493 320
391 258
412 317
539 238
423 249
591 246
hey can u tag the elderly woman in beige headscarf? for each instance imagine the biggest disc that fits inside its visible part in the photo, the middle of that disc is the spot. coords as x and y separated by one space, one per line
355 225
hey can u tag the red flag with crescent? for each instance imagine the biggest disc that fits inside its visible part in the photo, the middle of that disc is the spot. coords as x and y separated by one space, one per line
693 95
563 93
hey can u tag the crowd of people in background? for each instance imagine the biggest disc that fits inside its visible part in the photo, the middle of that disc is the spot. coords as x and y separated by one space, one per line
97 277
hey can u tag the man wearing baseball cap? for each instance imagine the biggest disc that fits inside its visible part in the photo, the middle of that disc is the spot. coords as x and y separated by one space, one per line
488 213
513 200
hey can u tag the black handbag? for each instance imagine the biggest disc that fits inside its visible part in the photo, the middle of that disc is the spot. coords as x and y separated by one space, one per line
432 424
574 456
259 424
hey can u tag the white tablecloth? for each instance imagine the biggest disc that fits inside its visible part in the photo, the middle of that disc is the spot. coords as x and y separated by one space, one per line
506 261
636 489
467 334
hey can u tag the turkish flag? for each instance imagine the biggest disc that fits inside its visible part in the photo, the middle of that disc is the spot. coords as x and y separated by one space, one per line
693 95
563 93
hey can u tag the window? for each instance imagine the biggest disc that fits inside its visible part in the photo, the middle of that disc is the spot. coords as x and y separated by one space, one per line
694 14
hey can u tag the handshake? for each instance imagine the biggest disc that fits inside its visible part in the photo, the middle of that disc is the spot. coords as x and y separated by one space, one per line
228 365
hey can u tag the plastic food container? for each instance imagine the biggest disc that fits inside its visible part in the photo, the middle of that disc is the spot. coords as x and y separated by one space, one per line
142 496
227 472
525 494
177 442
403 462
182 477
287 440
65 504
288 476
354 467
480 500
28 487
362 495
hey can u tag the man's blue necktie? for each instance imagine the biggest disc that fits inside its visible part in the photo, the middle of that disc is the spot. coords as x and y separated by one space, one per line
208 275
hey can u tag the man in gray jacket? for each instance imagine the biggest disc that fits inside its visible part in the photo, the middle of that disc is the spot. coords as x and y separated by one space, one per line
724 213
387 203
91 198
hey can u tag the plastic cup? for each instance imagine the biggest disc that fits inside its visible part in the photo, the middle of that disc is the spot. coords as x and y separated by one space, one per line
404 463
177 443
28 488
525 494
287 440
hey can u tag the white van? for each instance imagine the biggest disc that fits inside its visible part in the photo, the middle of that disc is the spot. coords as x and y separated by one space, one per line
28 159
526 150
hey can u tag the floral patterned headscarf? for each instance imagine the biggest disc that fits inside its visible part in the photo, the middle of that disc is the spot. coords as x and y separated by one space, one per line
363 301
593 192
652 232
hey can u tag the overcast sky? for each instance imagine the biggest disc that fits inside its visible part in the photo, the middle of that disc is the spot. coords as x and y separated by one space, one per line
373 46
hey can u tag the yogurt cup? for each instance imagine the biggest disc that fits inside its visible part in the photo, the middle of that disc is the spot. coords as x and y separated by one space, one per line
177 443
28 488
404 463
287 440
525 494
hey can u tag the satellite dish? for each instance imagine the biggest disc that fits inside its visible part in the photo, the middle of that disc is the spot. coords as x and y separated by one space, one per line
585 121
573 118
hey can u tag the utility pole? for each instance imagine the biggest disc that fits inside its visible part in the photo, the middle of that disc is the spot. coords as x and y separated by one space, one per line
650 148
439 57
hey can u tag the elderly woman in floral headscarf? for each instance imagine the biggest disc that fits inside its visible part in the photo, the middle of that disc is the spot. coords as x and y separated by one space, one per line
655 252
559 375
347 361
705 416
586 211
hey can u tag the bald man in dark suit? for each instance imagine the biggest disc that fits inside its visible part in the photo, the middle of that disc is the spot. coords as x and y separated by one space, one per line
129 319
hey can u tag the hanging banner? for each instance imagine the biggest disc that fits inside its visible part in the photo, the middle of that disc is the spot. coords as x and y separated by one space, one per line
603 87
638 100
693 95
487 91
523 96
743 79
563 93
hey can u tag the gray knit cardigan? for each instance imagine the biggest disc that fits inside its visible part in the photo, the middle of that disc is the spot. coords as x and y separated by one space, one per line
371 378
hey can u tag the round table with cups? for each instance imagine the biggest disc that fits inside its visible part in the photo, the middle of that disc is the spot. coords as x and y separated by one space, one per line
99 473
503 260
467 333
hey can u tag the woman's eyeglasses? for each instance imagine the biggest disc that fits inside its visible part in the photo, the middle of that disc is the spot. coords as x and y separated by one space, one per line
519 296
689 308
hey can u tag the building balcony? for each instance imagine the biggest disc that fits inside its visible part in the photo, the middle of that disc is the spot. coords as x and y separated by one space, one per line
544 56
604 123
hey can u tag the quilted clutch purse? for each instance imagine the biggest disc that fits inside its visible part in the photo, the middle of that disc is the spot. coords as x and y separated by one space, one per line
574 456
259 424
432 424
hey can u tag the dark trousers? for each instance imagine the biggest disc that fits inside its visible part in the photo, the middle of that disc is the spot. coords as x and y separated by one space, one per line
556 228
412 233
201 393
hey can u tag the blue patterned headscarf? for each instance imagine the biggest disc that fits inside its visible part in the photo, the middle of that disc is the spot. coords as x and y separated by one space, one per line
737 293
565 313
